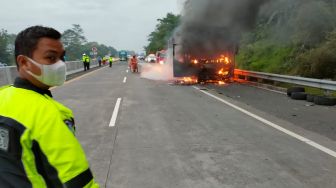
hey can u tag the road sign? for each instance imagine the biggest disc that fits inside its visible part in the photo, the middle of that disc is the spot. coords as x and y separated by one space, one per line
94 49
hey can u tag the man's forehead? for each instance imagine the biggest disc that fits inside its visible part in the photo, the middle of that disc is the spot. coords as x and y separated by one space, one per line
48 44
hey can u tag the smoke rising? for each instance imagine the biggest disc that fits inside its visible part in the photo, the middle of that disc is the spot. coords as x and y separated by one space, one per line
211 27
301 21
155 71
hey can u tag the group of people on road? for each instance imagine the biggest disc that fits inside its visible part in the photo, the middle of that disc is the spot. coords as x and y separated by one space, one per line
133 62
103 61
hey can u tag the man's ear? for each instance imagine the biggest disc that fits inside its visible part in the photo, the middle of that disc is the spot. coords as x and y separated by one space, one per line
22 61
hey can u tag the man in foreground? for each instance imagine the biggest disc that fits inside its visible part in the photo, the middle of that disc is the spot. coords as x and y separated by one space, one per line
38 147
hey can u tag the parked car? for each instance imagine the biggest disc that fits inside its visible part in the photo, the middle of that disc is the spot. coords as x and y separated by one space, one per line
151 58
140 57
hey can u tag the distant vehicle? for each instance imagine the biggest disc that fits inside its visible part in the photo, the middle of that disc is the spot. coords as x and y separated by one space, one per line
151 58
123 55
161 57
141 57
3 64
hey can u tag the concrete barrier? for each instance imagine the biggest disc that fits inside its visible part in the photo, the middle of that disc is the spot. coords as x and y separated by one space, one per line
9 73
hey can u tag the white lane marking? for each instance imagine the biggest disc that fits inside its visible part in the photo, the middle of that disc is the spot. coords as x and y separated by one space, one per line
290 133
125 78
77 78
127 70
115 113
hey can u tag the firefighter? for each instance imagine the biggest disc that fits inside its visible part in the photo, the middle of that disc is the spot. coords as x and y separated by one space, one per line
110 60
38 147
133 64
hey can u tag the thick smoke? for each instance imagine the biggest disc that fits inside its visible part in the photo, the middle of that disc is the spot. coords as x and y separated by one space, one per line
300 21
211 27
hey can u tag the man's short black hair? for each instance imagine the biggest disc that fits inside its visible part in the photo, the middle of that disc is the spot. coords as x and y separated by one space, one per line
27 40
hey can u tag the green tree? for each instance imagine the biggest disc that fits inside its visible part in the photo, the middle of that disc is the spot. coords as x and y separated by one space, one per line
76 44
4 42
164 29
101 48
314 19
73 40
319 62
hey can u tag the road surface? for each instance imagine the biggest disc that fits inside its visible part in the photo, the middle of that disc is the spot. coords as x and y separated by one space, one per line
169 136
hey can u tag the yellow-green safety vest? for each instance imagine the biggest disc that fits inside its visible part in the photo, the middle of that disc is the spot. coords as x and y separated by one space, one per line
86 59
38 147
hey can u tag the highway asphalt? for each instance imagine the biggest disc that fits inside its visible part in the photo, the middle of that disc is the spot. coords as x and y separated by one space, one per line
175 136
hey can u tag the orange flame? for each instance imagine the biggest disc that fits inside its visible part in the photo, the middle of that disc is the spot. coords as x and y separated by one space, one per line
221 83
187 80
222 72
227 60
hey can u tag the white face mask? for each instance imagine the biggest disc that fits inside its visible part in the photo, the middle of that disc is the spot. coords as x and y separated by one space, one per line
51 75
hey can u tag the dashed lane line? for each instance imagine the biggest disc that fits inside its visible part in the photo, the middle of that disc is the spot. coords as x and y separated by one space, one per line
115 113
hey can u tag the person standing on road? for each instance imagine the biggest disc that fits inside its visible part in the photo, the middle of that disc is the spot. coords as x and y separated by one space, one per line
133 64
99 61
104 60
84 61
88 61
110 60
38 147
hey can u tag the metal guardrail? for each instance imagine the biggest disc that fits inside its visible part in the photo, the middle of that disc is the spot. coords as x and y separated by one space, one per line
9 73
316 83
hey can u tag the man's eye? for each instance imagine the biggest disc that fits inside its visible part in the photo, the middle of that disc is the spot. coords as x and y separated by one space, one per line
52 58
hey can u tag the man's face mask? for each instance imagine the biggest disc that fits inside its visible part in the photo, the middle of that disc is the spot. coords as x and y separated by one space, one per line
51 75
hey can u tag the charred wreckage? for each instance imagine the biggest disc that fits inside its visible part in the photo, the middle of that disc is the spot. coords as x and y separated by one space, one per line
193 63
206 41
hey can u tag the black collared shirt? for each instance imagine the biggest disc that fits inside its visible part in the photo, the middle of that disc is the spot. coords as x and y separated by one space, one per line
25 84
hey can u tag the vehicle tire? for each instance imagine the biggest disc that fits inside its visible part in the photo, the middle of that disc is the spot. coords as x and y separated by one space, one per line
294 89
299 95
311 97
324 100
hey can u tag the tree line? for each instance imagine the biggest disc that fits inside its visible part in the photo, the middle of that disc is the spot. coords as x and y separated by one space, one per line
74 41
7 47
163 31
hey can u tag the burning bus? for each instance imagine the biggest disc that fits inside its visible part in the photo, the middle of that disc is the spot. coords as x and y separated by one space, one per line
202 69
206 41
206 59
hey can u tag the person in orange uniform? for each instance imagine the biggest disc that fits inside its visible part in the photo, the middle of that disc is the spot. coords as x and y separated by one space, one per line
133 64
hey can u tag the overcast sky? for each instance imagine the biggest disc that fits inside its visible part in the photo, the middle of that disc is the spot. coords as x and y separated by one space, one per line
123 24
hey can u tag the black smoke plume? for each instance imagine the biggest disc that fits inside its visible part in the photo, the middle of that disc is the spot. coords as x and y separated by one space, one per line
212 27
